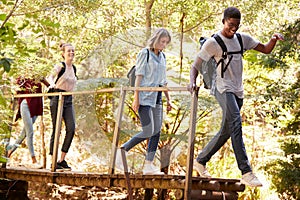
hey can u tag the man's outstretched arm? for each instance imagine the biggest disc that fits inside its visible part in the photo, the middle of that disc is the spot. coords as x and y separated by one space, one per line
267 48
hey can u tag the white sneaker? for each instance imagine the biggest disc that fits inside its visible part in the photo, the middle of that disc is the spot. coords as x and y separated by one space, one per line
201 169
36 165
251 180
119 162
150 169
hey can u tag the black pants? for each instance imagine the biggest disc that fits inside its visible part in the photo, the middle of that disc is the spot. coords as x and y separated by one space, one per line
68 116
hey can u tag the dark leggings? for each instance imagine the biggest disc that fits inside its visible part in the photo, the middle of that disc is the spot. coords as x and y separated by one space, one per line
68 116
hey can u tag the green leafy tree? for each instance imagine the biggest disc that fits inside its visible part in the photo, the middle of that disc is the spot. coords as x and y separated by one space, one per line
284 170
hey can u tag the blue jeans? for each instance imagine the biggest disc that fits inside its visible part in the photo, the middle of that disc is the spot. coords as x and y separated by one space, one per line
68 115
231 128
151 120
28 122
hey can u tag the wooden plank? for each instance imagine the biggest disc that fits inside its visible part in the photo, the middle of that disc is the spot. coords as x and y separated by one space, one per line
191 143
118 180
213 195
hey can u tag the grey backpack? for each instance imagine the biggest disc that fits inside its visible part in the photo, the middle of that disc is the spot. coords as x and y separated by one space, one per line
131 73
208 68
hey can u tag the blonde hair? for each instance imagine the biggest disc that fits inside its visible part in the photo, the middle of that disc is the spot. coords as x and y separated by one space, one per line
63 45
156 37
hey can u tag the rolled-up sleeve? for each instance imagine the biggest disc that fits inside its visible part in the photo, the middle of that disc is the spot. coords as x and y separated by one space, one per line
141 62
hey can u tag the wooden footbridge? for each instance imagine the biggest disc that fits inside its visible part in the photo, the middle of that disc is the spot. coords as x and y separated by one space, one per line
187 187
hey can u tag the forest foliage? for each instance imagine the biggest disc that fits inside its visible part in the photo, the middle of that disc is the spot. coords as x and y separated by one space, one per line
108 35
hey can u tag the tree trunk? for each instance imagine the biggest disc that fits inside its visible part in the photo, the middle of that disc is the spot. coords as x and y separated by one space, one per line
181 44
148 7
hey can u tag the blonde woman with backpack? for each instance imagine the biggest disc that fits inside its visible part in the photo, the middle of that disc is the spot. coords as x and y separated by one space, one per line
150 72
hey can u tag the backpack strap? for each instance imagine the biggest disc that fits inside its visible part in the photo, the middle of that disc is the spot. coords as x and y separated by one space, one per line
239 37
224 48
148 55
163 54
222 45
225 53
62 71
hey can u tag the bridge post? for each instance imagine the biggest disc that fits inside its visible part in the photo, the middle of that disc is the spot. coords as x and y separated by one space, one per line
117 131
116 142
191 143
57 131
14 104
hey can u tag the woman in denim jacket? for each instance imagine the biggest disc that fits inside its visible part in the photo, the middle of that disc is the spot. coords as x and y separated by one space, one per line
150 72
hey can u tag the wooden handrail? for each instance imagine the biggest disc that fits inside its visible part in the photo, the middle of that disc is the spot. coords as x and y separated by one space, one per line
153 89
122 90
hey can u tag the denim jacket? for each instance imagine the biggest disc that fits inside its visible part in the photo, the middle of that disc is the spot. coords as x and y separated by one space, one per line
154 75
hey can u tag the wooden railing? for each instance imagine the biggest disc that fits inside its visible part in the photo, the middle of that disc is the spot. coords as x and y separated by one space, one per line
123 92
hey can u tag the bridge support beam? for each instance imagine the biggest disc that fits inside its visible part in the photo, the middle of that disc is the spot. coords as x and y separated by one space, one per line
13 189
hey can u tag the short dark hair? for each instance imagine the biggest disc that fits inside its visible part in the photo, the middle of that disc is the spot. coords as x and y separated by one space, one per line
232 12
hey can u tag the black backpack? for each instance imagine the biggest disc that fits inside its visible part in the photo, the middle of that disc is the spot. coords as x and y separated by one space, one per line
208 68
131 73
63 69
61 72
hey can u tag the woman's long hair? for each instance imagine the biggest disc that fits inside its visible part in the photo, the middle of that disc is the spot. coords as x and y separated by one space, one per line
156 36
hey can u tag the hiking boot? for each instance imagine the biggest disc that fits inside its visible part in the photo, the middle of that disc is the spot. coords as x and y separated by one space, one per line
251 180
201 169
64 165
150 169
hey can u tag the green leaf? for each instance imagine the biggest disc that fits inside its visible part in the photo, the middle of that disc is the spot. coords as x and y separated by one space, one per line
6 62
4 1
3 159
24 25
2 17
43 43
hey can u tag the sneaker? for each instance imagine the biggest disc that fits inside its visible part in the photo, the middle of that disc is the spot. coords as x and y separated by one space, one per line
251 180
57 168
119 162
9 149
64 165
150 169
35 166
9 152
201 169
